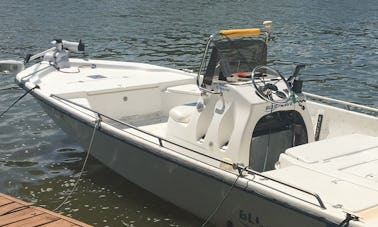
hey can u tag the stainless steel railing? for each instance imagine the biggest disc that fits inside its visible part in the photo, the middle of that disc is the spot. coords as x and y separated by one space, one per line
235 166
347 105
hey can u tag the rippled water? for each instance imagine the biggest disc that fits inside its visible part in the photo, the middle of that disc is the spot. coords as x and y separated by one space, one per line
338 40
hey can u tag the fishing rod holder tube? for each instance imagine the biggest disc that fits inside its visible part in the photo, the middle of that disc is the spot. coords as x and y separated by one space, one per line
295 81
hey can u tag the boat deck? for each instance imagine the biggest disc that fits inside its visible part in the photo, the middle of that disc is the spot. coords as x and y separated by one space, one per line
14 212
155 124
104 77
337 169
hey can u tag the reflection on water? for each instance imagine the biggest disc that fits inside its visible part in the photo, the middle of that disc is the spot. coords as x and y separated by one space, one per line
39 163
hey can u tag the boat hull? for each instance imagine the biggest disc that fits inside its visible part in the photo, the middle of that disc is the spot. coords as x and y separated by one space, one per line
201 190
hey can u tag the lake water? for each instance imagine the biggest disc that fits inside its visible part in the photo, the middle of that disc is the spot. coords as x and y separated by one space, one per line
338 40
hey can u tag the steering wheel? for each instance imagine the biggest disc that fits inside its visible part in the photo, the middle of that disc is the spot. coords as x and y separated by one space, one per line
270 85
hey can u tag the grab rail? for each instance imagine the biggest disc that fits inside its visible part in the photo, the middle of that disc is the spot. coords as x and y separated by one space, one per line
235 166
315 195
346 104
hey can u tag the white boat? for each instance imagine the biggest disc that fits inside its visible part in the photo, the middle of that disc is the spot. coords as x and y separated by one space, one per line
237 144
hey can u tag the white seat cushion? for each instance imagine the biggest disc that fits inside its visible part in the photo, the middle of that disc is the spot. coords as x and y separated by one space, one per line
182 114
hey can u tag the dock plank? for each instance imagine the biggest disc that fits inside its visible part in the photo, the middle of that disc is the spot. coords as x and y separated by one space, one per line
15 212
38 220
10 207
60 223
4 201
18 216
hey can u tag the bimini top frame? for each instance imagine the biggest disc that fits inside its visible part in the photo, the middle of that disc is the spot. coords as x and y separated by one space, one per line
230 34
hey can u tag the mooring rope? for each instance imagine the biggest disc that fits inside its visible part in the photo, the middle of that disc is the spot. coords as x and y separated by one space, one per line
221 202
17 100
96 126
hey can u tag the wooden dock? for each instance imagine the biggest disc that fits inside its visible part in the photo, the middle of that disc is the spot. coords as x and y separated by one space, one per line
15 212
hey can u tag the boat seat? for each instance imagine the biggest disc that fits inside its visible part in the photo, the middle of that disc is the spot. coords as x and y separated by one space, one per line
182 114
186 123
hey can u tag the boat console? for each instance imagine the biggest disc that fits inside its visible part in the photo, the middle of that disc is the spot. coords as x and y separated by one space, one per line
247 112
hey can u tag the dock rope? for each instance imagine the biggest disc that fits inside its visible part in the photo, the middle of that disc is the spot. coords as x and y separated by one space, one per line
95 128
17 100
225 196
